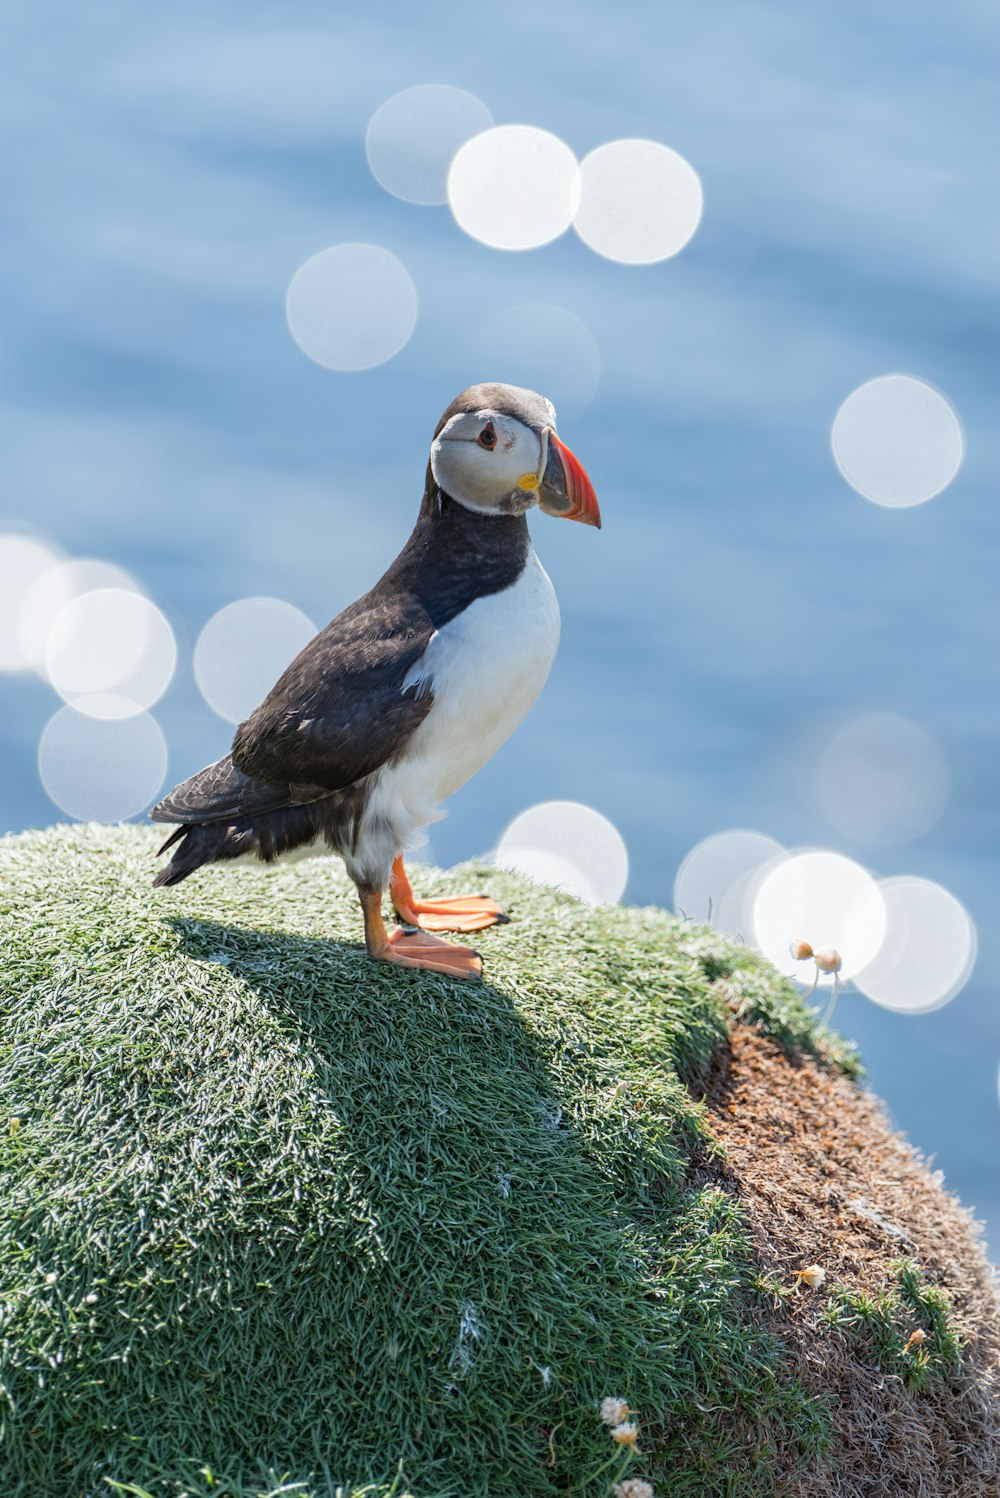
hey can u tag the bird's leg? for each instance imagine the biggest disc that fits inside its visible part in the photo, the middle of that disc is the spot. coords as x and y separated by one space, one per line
413 948
465 913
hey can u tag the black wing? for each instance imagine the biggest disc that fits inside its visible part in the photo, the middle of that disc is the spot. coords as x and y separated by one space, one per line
337 714
340 710
221 792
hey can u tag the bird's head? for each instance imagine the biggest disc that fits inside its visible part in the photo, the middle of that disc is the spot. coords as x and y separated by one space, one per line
496 451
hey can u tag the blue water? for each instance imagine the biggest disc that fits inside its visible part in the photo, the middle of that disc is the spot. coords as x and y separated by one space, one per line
167 171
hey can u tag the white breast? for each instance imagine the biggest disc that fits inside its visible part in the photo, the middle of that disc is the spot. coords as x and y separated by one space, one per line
486 668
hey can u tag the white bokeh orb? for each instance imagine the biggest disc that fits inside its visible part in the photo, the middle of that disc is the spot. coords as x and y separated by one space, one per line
897 441
822 898
514 187
715 881
50 594
929 949
102 769
352 306
568 845
640 202
549 869
544 348
242 651
881 779
23 563
412 139
110 653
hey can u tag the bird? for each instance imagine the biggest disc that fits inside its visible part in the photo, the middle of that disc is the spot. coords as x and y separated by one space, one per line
409 691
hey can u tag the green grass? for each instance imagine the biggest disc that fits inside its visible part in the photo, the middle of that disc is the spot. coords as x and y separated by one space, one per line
879 1326
276 1218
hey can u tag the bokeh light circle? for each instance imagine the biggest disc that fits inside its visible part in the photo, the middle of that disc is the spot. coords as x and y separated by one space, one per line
639 201
822 898
352 306
412 139
102 769
542 347
23 561
881 779
56 588
715 880
514 187
897 441
110 653
929 949
570 846
242 651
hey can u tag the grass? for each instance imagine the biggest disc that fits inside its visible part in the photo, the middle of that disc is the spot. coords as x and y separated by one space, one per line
279 1219
880 1326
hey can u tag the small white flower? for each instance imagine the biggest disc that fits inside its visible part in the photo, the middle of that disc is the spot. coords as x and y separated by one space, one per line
50 1279
614 1411
626 1434
634 1487
91 1298
813 1275
828 960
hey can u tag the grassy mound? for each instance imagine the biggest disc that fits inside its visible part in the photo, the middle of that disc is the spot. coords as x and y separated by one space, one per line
279 1218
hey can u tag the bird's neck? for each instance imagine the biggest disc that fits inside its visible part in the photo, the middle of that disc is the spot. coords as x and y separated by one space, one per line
477 528
456 554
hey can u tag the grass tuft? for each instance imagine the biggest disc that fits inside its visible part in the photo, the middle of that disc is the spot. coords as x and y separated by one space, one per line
277 1219
880 1325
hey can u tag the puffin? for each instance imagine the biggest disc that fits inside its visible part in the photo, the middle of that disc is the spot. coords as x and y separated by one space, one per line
408 692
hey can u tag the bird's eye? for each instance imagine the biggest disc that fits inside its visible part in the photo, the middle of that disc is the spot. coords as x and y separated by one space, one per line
487 437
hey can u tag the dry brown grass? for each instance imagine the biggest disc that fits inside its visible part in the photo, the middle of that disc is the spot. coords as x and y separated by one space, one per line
823 1179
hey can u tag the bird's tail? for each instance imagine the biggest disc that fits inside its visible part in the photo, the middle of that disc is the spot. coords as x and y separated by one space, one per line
196 845
225 814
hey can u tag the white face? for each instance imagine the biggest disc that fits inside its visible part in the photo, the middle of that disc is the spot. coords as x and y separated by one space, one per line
485 461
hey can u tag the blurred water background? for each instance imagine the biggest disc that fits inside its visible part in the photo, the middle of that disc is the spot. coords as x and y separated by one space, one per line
168 172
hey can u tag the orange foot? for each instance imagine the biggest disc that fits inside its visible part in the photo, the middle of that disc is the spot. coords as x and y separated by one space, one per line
413 948
416 949
464 913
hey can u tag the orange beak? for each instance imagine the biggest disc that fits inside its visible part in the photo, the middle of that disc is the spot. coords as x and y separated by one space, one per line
566 491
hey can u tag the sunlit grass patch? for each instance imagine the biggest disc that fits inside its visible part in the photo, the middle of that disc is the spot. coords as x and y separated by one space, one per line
282 1216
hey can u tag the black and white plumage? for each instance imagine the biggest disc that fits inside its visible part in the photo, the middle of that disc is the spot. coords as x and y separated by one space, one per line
409 691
